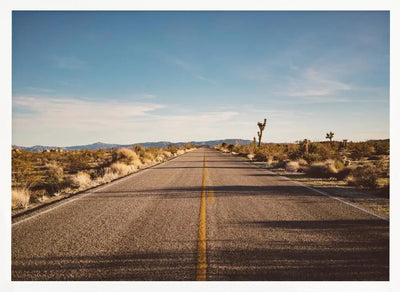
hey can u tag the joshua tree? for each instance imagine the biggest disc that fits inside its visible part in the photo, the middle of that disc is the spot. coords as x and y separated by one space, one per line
330 136
259 133
304 146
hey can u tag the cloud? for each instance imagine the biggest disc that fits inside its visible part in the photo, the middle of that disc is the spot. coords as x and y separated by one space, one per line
56 120
313 82
39 89
201 77
62 113
70 63
184 65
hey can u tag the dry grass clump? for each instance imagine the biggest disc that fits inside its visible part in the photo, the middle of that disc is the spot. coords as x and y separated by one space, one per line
250 156
126 156
322 169
292 166
160 158
167 154
108 176
20 198
82 180
302 162
180 152
122 169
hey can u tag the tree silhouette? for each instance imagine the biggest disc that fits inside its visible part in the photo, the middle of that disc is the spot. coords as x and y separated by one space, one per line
330 136
259 133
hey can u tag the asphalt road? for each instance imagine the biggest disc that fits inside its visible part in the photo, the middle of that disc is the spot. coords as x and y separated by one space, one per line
201 216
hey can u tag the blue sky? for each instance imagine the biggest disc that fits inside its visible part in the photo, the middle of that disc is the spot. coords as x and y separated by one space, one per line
131 77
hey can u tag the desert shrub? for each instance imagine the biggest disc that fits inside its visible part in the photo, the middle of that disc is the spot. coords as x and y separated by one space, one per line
313 147
244 150
81 180
147 158
360 150
121 169
295 155
366 177
224 144
292 166
20 198
343 173
339 165
167 154
260 156
325 169
302 162
139 149
325 151
23 173
99 155
281 164
381 147
187 146
125 155
172 148
312 157
180 152
77 161
275 151
107 176
231 147
54 175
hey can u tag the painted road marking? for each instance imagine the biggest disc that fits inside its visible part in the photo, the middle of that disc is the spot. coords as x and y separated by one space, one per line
211 196
201 272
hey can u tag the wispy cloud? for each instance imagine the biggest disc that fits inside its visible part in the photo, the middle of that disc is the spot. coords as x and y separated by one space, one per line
77 114
315 82
118 121
39 89
187 66
201 77
70 63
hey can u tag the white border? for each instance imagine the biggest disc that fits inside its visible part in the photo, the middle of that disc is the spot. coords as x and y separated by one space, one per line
7 6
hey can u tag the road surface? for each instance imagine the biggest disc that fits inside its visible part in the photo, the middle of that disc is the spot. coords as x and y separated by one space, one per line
201 216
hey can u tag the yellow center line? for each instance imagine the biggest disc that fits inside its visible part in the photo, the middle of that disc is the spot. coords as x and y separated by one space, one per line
211 196
201 273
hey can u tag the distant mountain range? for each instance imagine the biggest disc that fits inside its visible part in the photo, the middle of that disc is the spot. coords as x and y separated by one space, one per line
100 145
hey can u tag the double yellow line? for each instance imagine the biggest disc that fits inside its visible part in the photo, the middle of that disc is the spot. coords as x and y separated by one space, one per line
201 273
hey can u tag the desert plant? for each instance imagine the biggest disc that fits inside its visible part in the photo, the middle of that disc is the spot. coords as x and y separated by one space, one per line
312 157
330 136
322 169
292 166
76 162
366 177
121 169
82 180
54 175
125 155
261 126
304 146
20 198
172 148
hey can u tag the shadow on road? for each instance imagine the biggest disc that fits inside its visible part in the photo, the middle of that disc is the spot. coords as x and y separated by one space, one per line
359 259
